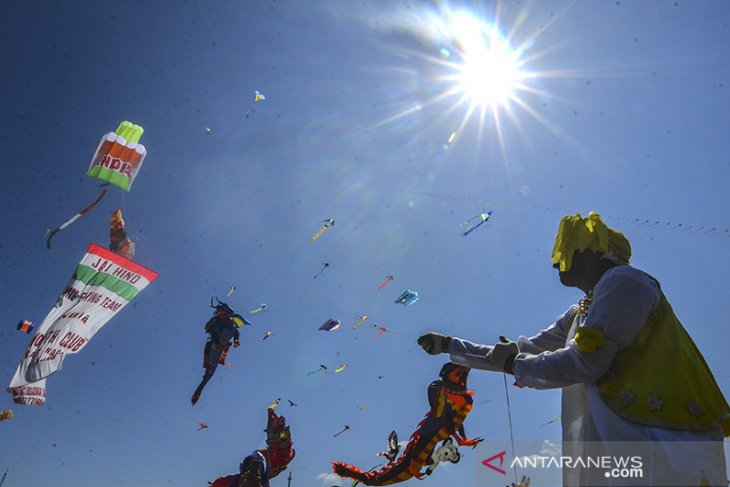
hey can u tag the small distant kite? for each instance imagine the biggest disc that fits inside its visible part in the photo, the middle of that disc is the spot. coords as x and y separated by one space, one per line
330 325
341 368
50 233
25 326
274 404
362 320
329 222
325 265
451 139
257 98
550 422
267 335
381 330
482 217
292 403
119 242
407 298
322 368
230 291
364 405
119 156
393 448
261 307
385 283
380 376
202 426
343 430
6 414
208 130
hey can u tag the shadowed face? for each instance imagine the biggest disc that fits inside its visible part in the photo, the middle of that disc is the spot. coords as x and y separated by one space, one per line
585 270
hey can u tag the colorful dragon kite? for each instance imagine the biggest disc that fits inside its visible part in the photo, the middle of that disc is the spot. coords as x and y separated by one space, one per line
262 465
450 403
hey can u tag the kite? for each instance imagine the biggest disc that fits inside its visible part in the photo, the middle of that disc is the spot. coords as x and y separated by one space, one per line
362 320
257 98
6 414
292 403
230 291
261 307
329 222
102 284
364 405
119 156
322 368
330 325
343 430
267 335
381 330
385 283
341 368
550 422
258 468
228 365
446 452
380 376
407 298
274 404
208 130
50 233
119 243
325 265
25 326
221 328
393 448
202 426
483 218
450 403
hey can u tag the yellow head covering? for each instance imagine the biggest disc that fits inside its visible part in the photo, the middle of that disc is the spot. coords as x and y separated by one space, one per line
577 234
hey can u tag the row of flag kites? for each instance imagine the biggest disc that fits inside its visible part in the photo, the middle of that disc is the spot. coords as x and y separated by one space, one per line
104 281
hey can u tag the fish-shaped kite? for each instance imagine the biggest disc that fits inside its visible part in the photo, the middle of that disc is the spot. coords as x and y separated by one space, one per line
329 222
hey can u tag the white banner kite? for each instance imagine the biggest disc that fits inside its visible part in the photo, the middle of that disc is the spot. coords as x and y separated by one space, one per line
102 284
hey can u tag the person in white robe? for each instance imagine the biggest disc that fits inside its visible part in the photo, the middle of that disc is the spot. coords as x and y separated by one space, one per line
627 368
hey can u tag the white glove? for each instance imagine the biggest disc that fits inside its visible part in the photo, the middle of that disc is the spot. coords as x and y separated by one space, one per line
502 354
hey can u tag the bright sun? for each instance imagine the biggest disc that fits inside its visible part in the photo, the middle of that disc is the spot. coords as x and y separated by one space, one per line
489 71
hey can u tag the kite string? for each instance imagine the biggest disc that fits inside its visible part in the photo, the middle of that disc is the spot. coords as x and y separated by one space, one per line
509 417
706 230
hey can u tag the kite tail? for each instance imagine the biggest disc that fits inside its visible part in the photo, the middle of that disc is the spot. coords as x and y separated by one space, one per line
390 474
316 235
350 471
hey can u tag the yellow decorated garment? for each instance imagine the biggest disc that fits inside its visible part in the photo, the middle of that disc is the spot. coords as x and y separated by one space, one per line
661 379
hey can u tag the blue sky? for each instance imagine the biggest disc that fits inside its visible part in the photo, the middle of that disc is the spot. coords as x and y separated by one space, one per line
625 113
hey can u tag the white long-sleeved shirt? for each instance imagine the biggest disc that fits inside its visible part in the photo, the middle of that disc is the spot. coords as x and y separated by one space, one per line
623 299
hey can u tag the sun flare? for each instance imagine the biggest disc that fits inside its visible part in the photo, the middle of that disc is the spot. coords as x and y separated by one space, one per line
488 72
